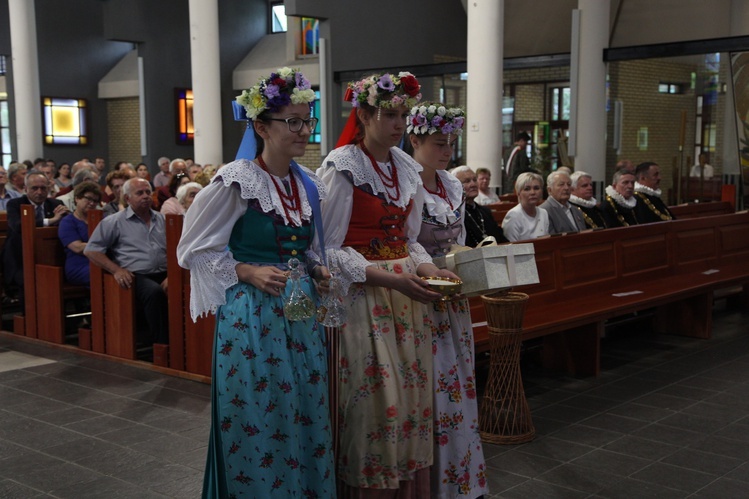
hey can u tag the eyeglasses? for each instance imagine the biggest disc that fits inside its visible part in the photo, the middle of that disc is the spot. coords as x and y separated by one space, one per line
90 199
295 124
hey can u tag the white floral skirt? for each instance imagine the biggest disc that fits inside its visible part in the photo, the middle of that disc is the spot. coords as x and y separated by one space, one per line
384 386
459 469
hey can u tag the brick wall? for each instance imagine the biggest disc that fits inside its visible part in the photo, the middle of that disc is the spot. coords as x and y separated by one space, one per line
311 158
123 124
635 83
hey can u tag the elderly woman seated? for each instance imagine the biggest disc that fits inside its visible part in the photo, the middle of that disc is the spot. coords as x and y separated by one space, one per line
179 204
527 220
73 233
478 222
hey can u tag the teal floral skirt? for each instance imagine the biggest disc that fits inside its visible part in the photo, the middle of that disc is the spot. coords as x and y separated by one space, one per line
270 429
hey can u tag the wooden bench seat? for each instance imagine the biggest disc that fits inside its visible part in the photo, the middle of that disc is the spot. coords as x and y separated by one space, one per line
114 328
499 210
190 343
672 267
45 288
698 210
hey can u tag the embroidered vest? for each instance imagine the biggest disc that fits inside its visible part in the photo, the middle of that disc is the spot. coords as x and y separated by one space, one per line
264 238
377 228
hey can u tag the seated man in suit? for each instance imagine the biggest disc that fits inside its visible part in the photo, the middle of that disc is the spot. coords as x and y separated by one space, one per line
619 206
131 245
650 207
48 213
582 197
563 217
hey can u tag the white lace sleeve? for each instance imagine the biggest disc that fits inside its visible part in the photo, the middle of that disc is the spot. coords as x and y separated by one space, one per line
203 246
336 214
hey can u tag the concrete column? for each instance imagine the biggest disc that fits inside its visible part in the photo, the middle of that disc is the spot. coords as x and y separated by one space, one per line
206 81
485 84
589 98
739 20
26 93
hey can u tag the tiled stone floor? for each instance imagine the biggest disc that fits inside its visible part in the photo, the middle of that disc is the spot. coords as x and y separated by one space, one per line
668 417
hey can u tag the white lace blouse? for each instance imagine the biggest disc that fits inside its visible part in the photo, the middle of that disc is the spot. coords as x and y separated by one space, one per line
209 223
338 205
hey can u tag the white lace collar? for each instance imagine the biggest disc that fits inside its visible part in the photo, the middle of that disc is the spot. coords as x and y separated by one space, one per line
353 160
588 203
621 200
439 208
647 190
256 183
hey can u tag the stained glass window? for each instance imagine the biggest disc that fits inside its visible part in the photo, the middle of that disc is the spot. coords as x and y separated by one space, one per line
65 121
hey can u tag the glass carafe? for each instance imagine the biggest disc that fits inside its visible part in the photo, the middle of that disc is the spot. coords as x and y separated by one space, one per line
332 312
298 306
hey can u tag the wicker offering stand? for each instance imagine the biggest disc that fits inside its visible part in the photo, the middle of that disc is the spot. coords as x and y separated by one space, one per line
505 417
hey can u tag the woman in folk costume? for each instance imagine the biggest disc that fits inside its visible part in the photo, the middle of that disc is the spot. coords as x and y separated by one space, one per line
385 358
270 428
459 470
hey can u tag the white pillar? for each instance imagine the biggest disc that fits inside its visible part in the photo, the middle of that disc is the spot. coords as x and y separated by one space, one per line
485 85
26 93
589 98
206 81
731 164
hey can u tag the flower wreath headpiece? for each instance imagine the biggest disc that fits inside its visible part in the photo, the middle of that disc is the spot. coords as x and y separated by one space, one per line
385 90
432 117
285 87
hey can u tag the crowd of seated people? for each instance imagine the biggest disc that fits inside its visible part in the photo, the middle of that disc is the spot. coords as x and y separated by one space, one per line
66 194
634 197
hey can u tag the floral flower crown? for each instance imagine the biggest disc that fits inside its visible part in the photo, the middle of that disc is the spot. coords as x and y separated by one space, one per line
282 88
385 90
433 117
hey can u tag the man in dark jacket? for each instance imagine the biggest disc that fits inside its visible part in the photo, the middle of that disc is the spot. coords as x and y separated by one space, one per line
516 163
650 207
48 213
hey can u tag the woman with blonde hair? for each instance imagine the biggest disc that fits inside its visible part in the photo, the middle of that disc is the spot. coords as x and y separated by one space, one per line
527 220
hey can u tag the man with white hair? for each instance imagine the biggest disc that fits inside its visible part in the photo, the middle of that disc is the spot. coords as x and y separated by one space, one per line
162 178
16 178
131 245
582 197
83 174
5 194
563 217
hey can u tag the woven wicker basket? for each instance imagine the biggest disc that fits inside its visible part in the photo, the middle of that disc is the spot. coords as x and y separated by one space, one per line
505 417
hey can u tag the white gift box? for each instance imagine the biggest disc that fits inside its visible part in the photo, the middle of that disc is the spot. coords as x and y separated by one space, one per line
489 268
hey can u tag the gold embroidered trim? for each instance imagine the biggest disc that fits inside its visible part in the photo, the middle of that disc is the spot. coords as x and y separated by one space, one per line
619 215
651 207
588 220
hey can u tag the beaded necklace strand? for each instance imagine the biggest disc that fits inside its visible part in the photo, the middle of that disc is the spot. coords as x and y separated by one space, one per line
441 191
389 181
289 201
481 227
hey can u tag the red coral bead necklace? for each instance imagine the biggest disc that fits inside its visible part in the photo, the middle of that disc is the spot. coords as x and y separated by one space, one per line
290 201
